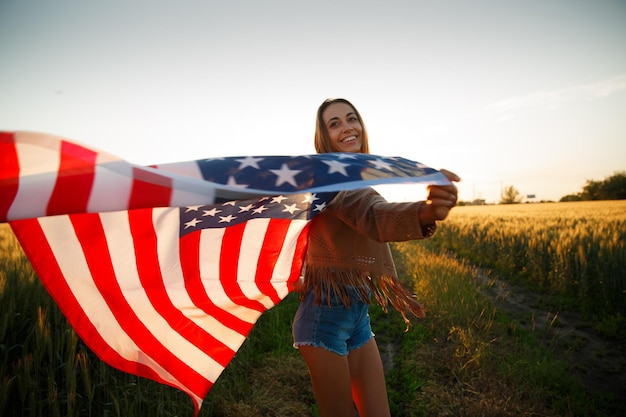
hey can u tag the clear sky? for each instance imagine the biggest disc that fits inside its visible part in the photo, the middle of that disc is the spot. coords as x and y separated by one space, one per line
526 93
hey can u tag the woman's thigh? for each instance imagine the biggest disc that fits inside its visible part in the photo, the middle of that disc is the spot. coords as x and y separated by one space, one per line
368 381
330 377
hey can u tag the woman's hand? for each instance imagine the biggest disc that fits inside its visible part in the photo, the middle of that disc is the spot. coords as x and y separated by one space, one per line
440 200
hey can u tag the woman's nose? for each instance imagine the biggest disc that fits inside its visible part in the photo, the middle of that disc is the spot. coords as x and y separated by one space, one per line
346 127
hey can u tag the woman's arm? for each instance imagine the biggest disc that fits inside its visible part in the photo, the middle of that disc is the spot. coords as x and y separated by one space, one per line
371 215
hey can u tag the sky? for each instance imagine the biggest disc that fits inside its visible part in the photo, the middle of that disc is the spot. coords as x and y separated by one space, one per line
530 94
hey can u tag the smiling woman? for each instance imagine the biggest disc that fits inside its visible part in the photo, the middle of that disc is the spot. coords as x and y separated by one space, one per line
344 128
340 128
348 264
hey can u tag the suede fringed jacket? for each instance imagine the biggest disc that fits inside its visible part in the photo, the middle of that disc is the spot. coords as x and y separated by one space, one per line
348 249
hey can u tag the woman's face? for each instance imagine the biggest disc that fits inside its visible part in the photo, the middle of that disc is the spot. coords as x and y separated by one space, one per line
344 128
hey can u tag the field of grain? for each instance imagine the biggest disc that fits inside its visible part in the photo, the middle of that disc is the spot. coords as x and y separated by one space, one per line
575 251
466 358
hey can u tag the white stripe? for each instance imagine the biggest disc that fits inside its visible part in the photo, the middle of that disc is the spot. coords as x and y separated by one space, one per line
251 245
189 186
166 223
38 173
286 258
112 185
210 248
191 192
188 169
121 248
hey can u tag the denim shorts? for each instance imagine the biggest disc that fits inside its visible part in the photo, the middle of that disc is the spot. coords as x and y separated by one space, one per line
333 327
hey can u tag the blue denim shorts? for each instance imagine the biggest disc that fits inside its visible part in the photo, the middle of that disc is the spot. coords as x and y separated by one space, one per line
333 327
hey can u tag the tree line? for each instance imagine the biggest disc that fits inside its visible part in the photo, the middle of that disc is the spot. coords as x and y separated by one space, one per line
610 188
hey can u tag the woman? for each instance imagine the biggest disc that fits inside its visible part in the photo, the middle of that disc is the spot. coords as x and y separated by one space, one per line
348 262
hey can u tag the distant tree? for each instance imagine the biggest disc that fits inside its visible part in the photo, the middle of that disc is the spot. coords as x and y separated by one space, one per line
510 195
611 188
571 197
614 187
592 190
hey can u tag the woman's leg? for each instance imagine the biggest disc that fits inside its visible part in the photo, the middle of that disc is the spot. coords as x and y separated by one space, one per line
368 381
330 376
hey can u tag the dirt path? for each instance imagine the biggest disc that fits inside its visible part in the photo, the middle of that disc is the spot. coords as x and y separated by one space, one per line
599 363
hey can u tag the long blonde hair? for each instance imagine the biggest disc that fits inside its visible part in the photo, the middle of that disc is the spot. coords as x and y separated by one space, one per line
322 138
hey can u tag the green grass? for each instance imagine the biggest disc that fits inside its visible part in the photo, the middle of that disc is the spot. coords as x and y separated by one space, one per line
467 358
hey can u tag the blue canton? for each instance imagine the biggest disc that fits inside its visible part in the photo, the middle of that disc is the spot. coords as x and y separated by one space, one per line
314 173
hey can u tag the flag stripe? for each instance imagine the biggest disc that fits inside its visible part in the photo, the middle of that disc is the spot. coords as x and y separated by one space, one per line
151 280
190 261
38 173
229 266
213 282
270 250
149 190
113 182
9 173
98 260
293 256
73 185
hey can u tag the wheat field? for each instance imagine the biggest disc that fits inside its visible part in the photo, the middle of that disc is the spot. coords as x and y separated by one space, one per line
574 250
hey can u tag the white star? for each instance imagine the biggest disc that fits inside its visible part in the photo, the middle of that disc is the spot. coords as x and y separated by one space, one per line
319 207
192 223
245 208
233 183
346 156
249 161
380 164
285 175
230 203
211 212
309 198
192 208
291 208
259 210
227 219
278 199
336 166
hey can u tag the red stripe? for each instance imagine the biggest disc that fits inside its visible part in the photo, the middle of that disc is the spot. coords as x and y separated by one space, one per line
149 190
74 180
229 268
273 243
299 254
9 173
38 251
189 247
146 254
90 233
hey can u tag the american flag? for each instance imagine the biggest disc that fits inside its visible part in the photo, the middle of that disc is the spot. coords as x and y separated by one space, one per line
163 270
